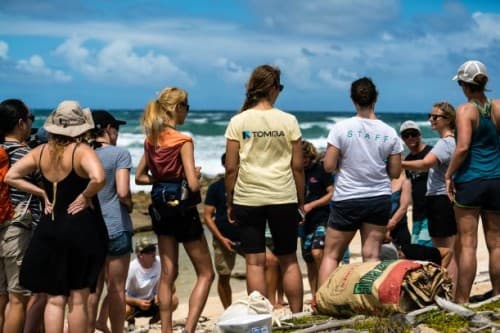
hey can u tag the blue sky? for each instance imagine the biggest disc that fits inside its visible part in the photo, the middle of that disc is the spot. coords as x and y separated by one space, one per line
120 53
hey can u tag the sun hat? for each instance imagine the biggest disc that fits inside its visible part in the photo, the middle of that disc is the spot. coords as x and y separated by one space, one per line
69 119
144 245
103 118
469 70
409 124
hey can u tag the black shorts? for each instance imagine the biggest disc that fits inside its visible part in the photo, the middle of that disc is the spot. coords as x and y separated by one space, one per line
149 312
349 215
283 222
441 216
481 193
184 225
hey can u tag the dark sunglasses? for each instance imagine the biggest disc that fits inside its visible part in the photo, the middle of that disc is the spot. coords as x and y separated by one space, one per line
186 105
412 134
280 87
436 116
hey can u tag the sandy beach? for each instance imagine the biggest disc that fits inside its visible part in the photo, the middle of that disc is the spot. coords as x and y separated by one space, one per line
214 309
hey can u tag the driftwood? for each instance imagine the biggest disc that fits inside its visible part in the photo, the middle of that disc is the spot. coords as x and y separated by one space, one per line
332 324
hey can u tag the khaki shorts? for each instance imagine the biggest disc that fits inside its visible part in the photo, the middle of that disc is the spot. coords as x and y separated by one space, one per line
14 240
224 260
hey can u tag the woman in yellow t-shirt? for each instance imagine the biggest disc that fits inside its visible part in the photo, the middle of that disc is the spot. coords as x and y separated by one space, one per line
265 182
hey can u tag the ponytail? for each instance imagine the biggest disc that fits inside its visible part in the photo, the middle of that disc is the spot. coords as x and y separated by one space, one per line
152 121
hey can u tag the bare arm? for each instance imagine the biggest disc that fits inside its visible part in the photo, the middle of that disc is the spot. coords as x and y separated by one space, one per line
466 121
404 203
123 188
320 202
297 165
25 166
421 165
187 155
232 164
88 164
332 155
142 176
208 214
394 166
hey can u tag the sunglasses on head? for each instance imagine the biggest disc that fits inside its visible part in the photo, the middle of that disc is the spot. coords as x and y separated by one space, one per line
410 134
436 116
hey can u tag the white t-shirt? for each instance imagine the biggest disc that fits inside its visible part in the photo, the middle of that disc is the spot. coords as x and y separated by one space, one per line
142 282
365 145
265 174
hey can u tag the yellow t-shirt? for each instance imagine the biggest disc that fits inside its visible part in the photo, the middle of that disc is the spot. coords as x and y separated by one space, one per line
265 175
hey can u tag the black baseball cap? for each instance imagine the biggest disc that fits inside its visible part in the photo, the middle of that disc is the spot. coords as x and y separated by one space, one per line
103 118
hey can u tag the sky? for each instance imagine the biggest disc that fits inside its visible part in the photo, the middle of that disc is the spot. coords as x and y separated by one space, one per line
118 54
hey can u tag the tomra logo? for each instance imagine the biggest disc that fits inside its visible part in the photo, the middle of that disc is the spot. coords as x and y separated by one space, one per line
262 134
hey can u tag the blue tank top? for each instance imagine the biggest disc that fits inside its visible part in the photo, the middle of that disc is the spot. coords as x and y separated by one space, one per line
483 161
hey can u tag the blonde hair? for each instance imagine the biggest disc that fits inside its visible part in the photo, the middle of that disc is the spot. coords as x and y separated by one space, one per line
160 111
448 111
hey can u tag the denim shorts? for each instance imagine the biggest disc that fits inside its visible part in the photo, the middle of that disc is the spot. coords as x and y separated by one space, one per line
120 244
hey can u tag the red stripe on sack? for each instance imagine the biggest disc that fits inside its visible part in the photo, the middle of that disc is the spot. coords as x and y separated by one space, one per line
390 289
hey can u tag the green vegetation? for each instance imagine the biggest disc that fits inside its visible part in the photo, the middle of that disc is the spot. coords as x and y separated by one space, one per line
381 325
444 322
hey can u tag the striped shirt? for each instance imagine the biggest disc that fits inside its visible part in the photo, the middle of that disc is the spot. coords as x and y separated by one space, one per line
17 151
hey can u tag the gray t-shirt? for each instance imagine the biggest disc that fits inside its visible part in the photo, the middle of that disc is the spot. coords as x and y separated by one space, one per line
443 150
115 214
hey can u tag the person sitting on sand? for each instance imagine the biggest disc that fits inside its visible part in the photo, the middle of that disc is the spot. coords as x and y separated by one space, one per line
142 284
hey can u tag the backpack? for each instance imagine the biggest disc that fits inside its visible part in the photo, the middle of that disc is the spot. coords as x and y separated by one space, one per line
6 209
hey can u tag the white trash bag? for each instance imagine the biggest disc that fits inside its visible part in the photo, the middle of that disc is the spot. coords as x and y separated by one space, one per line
251 314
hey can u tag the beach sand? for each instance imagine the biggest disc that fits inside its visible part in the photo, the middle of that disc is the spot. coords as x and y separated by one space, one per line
213 308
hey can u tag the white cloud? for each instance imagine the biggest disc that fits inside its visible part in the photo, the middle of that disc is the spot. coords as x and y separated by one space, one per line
4 49
119 61
297 71
339 79
327 17
232 71
36 66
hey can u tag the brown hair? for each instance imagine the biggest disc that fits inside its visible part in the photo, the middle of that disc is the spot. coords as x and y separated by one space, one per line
363 92
262 80
159 111
59 142
308 150
448 111
479 85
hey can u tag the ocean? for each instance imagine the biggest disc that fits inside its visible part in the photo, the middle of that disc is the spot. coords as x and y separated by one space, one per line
207 129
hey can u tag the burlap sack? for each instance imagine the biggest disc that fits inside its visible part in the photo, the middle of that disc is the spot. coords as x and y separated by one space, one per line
381 287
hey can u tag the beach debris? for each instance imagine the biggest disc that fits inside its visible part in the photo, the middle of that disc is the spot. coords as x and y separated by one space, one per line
382 288
454 308
252 313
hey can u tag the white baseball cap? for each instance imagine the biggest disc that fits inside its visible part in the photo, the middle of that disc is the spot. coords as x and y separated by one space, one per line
409 124
469 70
